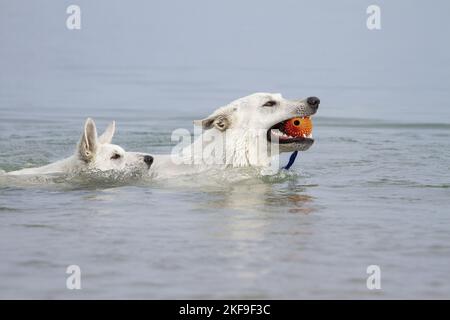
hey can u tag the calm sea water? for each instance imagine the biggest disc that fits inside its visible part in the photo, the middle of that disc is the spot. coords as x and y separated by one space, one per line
373 190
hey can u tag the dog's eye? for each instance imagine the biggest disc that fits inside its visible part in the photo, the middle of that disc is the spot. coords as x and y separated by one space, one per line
270 103
115 156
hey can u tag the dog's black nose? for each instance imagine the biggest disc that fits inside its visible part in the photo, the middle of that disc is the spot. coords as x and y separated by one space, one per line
148 160
313 102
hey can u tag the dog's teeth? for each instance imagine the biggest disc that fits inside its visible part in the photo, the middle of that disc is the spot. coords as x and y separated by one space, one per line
277 133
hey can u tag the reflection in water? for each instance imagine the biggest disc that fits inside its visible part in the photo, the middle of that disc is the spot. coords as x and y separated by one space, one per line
255 195
254 221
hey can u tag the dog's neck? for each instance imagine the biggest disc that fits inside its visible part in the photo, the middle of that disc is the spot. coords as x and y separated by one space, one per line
232 148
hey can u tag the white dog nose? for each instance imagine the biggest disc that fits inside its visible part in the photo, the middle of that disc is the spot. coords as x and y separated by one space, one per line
148 160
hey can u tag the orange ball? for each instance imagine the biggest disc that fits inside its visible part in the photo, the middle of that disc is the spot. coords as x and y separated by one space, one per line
297 127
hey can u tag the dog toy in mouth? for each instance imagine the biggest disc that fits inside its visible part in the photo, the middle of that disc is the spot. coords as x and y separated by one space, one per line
298 127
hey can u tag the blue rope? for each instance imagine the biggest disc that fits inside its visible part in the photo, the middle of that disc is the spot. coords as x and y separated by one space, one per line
291 160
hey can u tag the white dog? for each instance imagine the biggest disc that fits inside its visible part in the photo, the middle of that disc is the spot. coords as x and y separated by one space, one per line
96 154
246 132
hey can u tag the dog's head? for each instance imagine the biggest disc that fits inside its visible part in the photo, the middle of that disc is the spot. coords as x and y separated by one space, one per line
265 112
99 154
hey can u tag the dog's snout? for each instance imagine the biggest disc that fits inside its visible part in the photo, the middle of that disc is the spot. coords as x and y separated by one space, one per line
148 160
313 102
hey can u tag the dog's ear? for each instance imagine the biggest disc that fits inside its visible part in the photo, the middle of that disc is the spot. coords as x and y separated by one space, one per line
220 121
89 141
107 136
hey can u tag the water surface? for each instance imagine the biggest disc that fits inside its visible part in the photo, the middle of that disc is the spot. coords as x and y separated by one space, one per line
374 189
